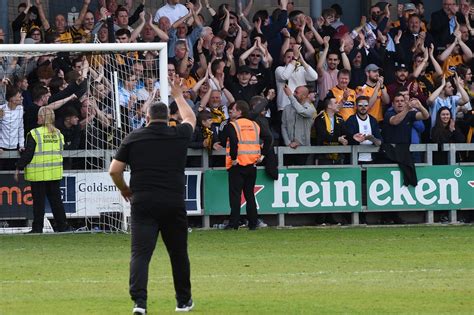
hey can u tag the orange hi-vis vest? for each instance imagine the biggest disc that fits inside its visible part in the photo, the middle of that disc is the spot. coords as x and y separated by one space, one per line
248 148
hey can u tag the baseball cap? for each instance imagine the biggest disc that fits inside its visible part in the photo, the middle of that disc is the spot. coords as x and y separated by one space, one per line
409 7
243 69
400 66
381 5
372 67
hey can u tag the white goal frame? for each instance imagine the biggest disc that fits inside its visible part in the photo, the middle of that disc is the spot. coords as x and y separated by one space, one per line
44 49
162 48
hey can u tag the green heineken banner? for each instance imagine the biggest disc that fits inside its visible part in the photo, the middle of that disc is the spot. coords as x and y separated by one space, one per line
439 188
296 190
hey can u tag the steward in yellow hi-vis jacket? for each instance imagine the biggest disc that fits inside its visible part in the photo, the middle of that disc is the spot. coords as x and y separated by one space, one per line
242 155
43 164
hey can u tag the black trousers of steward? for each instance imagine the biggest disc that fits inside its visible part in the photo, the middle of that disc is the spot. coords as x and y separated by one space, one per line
242 179
51 190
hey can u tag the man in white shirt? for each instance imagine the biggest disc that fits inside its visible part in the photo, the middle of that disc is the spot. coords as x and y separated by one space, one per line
11 126
173 10
363 129
296 72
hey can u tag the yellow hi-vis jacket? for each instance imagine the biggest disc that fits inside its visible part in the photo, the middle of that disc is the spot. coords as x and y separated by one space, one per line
248 149
47 162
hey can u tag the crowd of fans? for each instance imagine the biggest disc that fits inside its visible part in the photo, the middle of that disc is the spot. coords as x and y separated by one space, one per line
392 79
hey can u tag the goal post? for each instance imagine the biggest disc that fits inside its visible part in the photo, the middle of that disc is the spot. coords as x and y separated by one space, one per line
25 49
105 119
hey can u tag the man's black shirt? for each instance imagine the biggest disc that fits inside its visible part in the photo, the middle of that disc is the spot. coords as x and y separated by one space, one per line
157 158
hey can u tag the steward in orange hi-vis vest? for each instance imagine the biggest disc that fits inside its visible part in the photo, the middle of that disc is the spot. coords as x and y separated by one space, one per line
248 134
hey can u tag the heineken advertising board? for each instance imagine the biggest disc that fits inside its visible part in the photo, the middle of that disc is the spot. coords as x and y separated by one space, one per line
439 188
296 190
339 189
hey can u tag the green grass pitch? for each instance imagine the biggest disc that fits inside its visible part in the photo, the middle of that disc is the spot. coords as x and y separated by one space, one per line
422 270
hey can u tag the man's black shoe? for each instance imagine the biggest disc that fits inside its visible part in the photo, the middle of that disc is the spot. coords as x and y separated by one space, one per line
35 231
252 228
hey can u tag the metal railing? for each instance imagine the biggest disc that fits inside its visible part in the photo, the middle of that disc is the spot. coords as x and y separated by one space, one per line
353 151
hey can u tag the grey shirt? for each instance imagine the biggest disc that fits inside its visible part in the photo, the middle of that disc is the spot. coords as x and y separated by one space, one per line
296 122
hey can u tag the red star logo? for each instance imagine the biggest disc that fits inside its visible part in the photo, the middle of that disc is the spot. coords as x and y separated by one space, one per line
471 183
256 190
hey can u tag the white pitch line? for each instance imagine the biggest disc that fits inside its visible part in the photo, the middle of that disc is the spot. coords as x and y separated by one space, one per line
242 275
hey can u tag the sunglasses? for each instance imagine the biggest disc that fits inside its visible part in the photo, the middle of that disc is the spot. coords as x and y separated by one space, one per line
254 55
362 105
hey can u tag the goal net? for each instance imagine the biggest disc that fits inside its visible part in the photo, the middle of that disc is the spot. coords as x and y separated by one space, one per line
107 87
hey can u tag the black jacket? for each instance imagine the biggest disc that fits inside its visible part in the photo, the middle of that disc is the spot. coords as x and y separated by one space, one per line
400 154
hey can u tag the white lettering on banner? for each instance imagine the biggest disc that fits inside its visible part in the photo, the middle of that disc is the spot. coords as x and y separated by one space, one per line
351 193
310 194
421 193
326 191
304 194
400 191
443 195
279 189
374 193
427 193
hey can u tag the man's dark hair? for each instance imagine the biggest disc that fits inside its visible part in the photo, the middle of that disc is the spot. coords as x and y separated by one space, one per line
414 16
334 52
158 110
337 8
260 14
243 107
203 115
123 31
119 9
293 15
328 99
70 112
328 11
50 37
398 94
401 89
77 60
173 108
362 98
55 84
38 91
11 92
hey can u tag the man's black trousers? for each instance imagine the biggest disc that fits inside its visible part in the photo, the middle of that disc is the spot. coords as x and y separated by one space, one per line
50 189
148 220
242 178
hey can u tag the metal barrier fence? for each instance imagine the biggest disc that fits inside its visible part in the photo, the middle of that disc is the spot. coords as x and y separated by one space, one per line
352 151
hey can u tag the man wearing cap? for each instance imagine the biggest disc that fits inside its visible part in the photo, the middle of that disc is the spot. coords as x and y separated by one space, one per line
242 90
375 89
404 12
401 80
